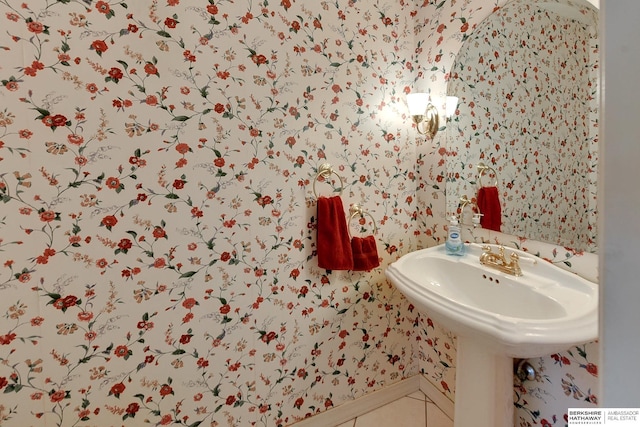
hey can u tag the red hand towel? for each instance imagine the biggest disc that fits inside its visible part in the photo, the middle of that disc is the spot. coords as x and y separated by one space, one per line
365 253
334 249
489 205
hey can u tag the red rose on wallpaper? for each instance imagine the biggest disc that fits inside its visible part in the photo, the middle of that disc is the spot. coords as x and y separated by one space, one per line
115 74
132 409
11 85
75 139
125 244
170 22
55 121
7 338
109 221
48 216
182 148
69 301
117 389
592 369
259 59
159 233
99 46
166 390
103 7
36 27
112 182
57 395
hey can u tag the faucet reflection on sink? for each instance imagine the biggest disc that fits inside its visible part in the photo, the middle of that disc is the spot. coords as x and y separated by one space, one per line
499 310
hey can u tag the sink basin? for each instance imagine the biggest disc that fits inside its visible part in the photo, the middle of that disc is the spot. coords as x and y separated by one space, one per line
496 317
544 311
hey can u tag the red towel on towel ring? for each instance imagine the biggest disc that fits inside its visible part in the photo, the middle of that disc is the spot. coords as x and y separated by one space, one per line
489 205
365 253
333 245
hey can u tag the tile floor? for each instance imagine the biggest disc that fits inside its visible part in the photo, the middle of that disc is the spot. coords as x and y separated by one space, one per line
414 410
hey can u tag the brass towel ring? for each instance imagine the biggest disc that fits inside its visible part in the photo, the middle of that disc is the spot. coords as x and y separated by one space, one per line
355 210
482 169
325 171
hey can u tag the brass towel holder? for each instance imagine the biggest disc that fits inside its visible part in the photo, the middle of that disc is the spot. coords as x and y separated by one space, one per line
483 169
355 210
325 170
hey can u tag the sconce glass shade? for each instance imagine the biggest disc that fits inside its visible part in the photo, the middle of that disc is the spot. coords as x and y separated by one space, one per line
451 106
417 103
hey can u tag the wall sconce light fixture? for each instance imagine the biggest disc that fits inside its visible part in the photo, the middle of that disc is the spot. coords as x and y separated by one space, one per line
425 115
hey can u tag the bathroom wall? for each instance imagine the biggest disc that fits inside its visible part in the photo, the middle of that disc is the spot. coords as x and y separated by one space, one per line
158 222
568 379
158 215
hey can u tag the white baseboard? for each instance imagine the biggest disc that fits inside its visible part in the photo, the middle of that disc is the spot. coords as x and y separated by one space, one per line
371 401
431 391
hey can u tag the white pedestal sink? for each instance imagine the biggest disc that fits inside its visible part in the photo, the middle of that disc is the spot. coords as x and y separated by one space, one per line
496 317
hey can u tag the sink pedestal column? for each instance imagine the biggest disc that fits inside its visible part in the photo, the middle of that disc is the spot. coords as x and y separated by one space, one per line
484 386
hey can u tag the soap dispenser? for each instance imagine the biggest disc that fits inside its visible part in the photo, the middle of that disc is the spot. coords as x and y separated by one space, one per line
454 244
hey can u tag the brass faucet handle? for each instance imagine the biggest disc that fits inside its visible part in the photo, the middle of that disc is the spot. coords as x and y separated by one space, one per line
486 249
515 264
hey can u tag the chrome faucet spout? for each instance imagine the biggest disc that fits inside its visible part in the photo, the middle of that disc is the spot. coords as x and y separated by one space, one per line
499 262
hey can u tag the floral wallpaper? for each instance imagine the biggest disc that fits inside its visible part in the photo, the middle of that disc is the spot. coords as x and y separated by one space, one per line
508 68
158 219
157 234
